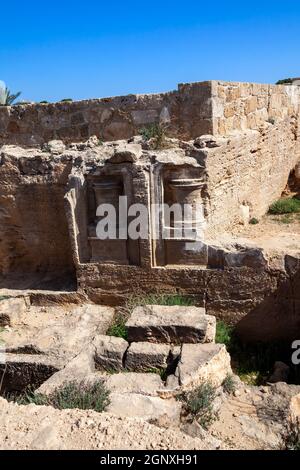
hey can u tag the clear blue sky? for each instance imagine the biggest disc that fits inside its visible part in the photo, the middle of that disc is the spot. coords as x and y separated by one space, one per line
60 49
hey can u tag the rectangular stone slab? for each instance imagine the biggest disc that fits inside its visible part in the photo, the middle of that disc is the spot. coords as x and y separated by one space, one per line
203 363
143 355
109 352
169 324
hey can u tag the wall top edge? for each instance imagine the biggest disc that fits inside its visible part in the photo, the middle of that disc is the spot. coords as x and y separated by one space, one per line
138 96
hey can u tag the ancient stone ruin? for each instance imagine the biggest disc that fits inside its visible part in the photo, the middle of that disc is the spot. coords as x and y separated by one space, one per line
231 149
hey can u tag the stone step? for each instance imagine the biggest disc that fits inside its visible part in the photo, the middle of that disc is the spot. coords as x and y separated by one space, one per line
134 382
142 356
171 324
153 409
109 352
202 363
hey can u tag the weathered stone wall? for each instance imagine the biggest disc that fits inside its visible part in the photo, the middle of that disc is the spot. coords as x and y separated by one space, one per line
248 171
192 110
34 238
241 106
188 112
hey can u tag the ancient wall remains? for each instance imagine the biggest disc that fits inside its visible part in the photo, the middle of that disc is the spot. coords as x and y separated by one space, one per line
236 145
187 111
34 238
193 109
242 106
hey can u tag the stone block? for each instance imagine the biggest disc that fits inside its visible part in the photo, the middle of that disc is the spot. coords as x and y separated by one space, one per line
202 363
154 409
109 352
132 382
144 355
168 324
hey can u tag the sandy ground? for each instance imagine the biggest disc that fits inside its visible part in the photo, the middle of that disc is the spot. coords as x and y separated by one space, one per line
273 233
43 427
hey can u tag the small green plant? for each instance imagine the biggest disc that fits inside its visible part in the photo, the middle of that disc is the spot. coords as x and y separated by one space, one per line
44 102
253 221
199 404
158 299
72 395
285 206
155 132
64 100
4 297
118 327
285 219
271 120
284 81
160 371
224 333
228 384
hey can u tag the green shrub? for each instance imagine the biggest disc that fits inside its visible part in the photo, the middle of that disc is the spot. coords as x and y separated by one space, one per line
158 299
64 100
199 404
253 221
118 327
284 81
224 333
228 384
72 395
155 132
285 206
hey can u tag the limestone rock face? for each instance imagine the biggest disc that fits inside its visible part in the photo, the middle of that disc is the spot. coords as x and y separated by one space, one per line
295 409
77 370
153 409
55 147
201 363
126 153
164 324
109 352
133 382
144 355
12 310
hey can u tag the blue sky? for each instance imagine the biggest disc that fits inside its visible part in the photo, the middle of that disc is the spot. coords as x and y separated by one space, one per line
69 49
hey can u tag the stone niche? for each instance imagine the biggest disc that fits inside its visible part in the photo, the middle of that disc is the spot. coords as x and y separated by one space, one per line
180 239
106 187
103 185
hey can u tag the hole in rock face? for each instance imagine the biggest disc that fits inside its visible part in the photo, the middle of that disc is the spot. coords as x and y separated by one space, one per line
18 377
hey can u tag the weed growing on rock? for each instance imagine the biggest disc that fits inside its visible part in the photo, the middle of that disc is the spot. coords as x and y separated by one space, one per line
199 404
158 299
72 395
160 371
224 334
229 384
156 133
118 327
253 221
